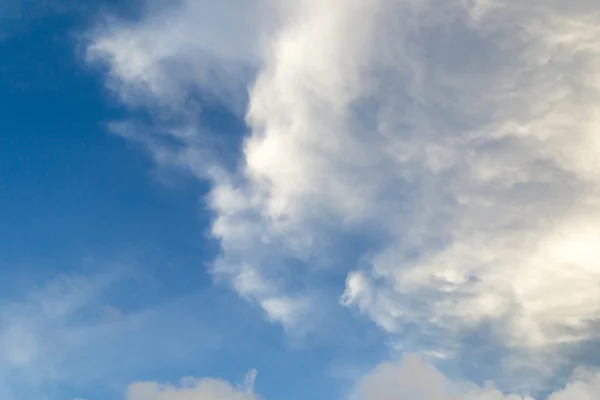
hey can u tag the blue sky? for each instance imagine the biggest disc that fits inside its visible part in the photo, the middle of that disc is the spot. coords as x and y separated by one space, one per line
356 200
79 203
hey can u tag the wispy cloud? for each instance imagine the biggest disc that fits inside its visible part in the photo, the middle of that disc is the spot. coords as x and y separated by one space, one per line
74 332
456 140
40 331
168 55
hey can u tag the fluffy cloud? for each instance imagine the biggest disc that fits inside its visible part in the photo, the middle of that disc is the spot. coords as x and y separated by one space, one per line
457 140
415 379
192 389
466 135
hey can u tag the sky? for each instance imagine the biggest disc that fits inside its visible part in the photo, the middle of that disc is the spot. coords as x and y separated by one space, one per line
282 200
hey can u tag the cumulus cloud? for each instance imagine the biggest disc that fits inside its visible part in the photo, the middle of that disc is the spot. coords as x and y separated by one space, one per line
461 135
413 378
192 389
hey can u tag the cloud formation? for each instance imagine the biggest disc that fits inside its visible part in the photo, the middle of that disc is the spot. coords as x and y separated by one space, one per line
457 140
412 378
192 389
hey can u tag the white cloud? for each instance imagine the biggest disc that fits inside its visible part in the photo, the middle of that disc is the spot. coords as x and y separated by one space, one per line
412 378
463 135
415 379
192 389
470 141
